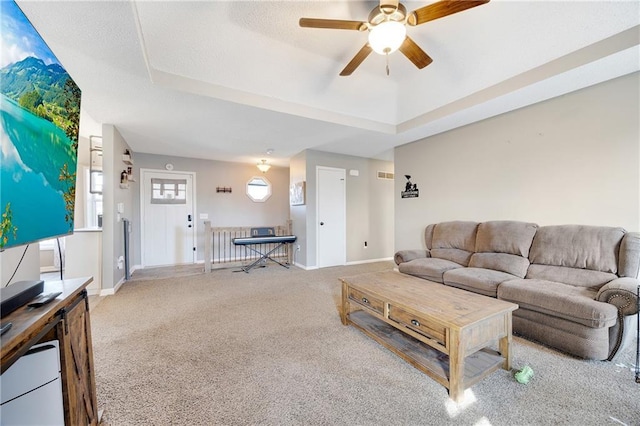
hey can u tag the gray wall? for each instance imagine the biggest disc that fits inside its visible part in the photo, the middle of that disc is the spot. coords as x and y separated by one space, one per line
572 159
369 206
113 147
298 173
234 209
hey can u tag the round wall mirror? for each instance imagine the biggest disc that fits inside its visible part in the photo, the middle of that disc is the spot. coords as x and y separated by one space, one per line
258 189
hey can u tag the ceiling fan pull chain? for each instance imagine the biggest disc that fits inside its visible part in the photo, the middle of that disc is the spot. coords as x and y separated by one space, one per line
387 56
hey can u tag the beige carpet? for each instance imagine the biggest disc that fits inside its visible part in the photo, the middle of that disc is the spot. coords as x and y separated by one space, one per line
268 348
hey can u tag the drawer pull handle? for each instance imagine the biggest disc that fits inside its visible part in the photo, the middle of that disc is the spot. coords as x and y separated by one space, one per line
365 300
415 323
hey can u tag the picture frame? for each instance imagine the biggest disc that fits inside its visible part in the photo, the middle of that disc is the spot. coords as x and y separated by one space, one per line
297 193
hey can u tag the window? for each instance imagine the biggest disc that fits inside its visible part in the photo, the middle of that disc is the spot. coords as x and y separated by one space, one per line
258 189
93 200
168 191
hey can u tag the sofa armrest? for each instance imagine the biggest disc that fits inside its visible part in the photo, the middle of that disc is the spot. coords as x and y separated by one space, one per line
621 292
403 256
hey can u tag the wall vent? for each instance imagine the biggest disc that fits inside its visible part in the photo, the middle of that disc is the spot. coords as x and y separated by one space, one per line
385 175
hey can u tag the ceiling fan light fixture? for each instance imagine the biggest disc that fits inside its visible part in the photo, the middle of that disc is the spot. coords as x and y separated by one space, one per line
263 166
387 37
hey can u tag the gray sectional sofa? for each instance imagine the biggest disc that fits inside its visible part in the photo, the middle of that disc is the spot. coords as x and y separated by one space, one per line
575 285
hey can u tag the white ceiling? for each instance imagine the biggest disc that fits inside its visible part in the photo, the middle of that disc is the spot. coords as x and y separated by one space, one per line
227 80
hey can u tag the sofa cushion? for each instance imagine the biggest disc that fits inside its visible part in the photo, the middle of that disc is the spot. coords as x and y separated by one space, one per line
577 246
454 241
572 276
477 280
573 303
509 263
505 236
428 268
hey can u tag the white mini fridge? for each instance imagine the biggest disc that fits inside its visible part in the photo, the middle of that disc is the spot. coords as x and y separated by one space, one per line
32 389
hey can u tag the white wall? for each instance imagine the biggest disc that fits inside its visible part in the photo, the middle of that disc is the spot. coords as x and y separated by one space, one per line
224 209
29 268
574 159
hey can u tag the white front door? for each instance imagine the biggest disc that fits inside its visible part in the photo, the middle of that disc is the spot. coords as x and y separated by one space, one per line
331 216
167 217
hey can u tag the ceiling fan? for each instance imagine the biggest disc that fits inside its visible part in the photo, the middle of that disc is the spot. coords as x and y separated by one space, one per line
387 26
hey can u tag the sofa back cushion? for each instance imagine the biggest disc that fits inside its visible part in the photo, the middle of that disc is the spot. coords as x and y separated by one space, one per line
504 245
629 262
509 263
454 241
505 236
577 246
428 236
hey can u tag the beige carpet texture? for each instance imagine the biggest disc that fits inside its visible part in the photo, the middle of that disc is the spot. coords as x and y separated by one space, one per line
268 348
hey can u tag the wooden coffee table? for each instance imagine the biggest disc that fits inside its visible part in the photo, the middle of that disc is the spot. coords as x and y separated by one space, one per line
443 331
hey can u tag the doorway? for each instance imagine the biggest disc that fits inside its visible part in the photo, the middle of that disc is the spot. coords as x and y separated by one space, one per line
331 216
167 207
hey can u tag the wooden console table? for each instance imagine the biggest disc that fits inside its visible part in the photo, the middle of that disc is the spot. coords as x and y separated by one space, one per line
442 331
65 319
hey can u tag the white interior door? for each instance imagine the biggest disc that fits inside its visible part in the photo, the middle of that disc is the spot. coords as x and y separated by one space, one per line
331 216
167 217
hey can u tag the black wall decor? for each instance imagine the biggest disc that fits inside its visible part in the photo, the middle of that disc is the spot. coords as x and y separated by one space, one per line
410 189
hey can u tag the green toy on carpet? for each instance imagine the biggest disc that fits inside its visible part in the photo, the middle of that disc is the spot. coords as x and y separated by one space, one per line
524 375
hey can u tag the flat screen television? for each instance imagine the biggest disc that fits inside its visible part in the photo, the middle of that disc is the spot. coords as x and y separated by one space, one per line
39 123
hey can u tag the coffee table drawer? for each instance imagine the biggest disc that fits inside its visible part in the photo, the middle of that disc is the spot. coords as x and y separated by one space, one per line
366 300
420 325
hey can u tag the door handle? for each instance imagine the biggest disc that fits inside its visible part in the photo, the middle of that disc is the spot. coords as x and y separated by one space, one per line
189 218
321 223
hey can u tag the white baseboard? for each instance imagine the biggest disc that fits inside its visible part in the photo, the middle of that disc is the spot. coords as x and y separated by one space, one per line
356 262
306 268
114 290
360 262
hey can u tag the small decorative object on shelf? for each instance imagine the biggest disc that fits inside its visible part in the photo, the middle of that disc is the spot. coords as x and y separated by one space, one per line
130 174
126 158
124 180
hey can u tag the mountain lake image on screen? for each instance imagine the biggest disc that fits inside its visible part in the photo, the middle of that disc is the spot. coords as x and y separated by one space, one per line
40 118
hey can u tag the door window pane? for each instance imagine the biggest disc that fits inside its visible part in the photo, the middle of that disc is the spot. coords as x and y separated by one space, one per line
168 191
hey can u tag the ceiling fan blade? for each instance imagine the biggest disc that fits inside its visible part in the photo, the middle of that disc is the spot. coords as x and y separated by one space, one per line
441 9
357 60
332 24
415 54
